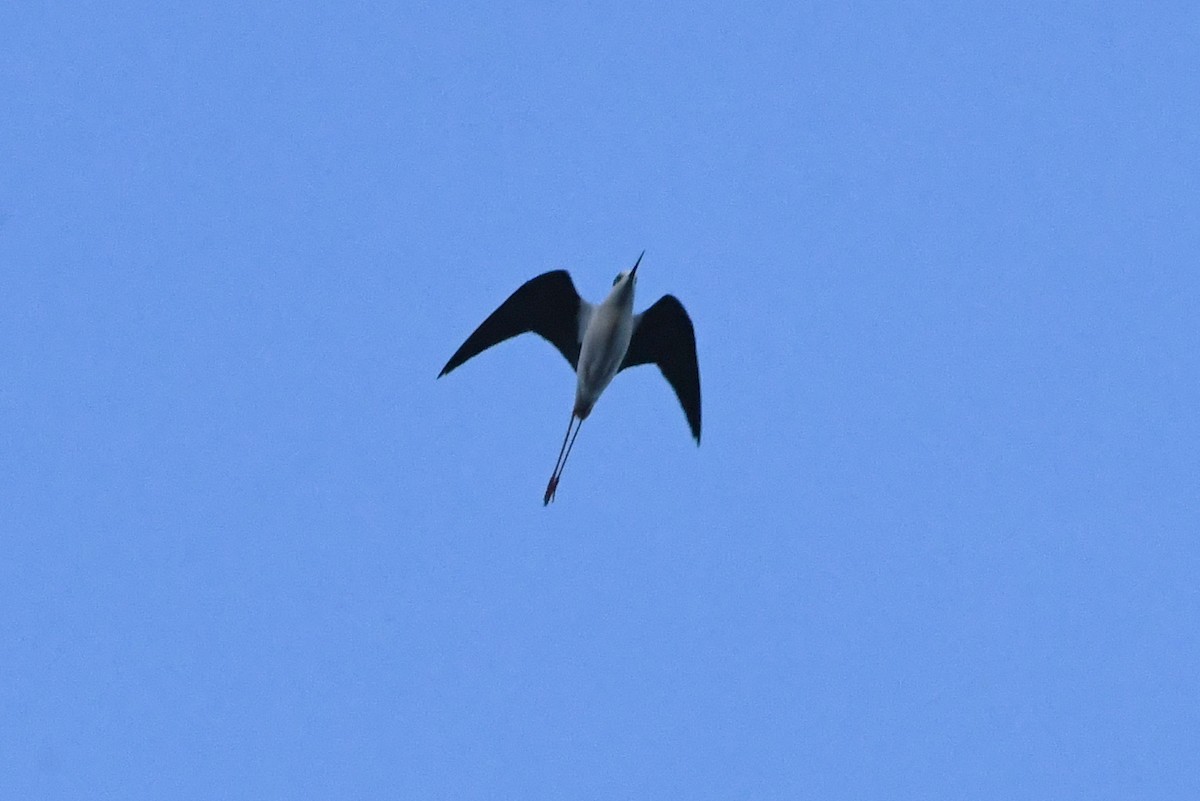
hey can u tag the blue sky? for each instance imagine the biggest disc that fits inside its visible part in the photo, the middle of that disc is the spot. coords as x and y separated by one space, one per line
939 540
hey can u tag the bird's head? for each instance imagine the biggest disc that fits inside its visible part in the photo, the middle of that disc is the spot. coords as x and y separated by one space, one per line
631 274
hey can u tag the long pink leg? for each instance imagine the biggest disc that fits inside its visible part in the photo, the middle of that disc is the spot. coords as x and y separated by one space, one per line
559 463
554 479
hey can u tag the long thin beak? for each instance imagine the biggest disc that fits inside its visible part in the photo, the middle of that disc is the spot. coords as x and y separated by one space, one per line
633 272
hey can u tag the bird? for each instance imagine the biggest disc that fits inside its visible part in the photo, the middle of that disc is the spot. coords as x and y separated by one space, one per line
598 341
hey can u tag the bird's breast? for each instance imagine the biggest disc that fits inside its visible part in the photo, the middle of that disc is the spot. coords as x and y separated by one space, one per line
604 345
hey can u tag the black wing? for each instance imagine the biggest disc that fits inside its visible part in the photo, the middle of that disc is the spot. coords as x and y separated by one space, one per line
664 336
547 305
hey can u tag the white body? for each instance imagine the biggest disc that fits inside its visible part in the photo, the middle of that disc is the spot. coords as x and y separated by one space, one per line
605 333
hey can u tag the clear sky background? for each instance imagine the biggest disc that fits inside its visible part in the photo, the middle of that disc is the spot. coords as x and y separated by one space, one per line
940 539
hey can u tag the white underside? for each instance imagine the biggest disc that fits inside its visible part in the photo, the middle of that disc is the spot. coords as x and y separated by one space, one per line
605 331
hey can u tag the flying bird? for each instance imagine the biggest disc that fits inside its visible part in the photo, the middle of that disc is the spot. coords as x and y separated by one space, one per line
598 341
